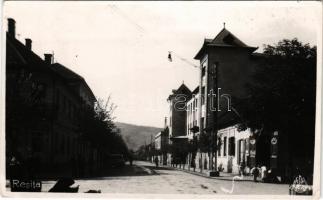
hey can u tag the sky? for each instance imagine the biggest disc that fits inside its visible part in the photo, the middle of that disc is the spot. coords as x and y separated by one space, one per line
121 48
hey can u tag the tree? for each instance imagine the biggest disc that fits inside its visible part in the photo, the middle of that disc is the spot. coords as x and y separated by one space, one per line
283 88
282 95
97 126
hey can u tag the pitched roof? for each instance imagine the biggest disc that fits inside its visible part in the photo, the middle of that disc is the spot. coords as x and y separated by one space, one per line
19 55
223 39
182 89
65 72
226 38
71 76
196 90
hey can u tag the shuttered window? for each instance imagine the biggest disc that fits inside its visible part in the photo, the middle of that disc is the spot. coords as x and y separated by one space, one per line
231 146
225 146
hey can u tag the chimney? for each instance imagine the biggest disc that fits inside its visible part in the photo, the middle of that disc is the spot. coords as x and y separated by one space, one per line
12 27
48 58
28 43
165 125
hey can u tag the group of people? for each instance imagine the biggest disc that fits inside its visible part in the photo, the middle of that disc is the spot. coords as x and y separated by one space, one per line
258 171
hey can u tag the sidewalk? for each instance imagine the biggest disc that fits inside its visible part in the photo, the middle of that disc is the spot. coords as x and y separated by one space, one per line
205 173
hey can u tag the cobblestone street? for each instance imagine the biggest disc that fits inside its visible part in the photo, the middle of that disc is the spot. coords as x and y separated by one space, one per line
143 177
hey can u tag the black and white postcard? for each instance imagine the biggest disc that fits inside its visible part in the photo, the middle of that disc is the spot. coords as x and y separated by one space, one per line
168 99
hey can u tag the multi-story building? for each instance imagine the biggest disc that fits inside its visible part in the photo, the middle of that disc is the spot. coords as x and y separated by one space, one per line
176 123
227 65
177 111
192 114
44 102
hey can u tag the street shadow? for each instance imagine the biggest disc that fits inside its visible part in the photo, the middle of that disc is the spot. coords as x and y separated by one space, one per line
124 171
158 168
127 170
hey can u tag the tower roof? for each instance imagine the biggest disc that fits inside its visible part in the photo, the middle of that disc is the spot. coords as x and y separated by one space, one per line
182 90
223 39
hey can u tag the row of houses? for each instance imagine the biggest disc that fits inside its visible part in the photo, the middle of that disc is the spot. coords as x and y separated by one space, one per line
209 113
44 102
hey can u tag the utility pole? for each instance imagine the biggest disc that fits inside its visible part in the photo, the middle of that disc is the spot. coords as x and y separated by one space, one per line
214 131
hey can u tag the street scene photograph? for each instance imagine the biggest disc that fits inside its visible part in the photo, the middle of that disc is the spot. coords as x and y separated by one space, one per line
162 98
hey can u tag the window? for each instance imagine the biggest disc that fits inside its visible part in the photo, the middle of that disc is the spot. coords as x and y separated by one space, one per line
195 104
219 149
213 70
57 98
203 95
231 146
225 146
202 123
203 71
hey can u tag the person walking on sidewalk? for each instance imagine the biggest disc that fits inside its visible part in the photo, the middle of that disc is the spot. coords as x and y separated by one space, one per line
156 161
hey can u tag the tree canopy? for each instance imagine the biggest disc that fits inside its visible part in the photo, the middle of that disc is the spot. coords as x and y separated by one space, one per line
282 96
97 127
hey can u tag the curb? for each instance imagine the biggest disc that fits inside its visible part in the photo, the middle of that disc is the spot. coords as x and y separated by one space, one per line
206 176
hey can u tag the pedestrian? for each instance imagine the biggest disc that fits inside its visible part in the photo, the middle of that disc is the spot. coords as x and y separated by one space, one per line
130 160
156 161
263 173
255 172
241 168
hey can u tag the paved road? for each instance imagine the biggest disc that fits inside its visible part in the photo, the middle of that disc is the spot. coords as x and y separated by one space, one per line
143 177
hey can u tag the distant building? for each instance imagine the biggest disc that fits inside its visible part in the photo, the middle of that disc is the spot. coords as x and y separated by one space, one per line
177 111
177 121
161 145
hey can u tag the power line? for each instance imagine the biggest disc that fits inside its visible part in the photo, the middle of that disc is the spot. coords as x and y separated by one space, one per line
182 59
122 14
142 30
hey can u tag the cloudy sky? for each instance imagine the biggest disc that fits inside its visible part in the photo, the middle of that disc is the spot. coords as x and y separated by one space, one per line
121 48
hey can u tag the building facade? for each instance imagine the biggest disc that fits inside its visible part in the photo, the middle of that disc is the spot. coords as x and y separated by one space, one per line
176 123
226 66
44 102
161 146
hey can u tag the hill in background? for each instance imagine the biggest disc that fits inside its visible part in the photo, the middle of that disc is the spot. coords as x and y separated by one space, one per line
135 135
